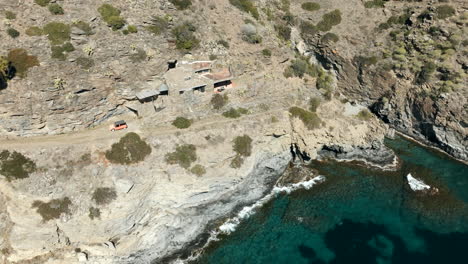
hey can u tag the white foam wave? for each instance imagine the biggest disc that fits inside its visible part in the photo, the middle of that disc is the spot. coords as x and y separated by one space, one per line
231 224
416 184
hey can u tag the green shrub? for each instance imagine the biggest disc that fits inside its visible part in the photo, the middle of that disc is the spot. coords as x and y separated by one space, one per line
250 35
14 165
56 9
363 61
213 57
235 113
184 155
374 4
364 114
237 162
182 122
132 29
247 6
266 53
20 59
85 63
10 15
104 195
107 11
181 4
42 2
330 37
308 29
58 52
223 43
242 145
139 56
111 16
284 32
130 149
444 11
34 31
301 66
314 103
13 33
329 20
53 209
310 6
57 32
325 84
198 170
218 101
158 25
116 22
310 119
85 27
426 72
185 38
94 213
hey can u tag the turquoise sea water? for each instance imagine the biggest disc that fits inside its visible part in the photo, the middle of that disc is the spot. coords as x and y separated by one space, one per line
360 215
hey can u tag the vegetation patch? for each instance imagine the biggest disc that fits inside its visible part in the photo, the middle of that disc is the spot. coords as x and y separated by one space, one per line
314 103
364 114
235 113
13 33
218 101
247 6
310 119
85 27
10 15
57 32
325 84
85 62
94 213
158 25
111 16
310 6
284 31
329 20
330 37
198 170
131 29
266 53
182 122
60 52
299 67
14 165
375 4
104 195
53 209
56 9
181 4
444 11
139 56
21 61
42 2
223 43
242 145
308 29
250 35
185 38
183 155
130 149
34 31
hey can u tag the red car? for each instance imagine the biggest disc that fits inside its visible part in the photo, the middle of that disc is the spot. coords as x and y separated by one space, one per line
119 125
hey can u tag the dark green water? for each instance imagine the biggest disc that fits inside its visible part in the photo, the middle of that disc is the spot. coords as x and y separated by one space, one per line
360 215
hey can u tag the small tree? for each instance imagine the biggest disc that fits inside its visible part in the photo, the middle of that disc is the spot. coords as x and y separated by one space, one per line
182 122
56 9
218 101
13 33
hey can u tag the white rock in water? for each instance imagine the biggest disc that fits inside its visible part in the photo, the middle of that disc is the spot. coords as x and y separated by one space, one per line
415 184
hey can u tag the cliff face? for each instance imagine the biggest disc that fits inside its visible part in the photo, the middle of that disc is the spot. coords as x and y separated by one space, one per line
408 63
154 208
